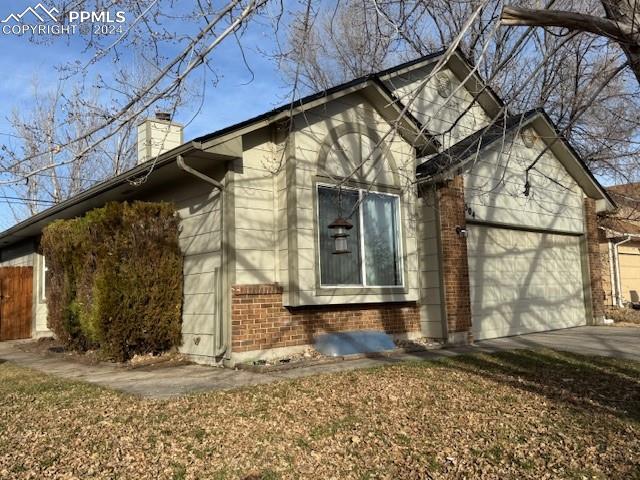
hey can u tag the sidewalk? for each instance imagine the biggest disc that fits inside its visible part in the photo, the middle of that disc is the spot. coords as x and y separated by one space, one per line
166 382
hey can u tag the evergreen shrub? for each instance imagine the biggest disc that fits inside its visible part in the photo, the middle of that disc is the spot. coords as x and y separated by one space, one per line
115 279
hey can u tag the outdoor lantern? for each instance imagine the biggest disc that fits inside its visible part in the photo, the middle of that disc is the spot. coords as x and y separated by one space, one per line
339 229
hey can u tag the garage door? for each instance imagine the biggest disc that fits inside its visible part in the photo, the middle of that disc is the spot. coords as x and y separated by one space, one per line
523 282
630 276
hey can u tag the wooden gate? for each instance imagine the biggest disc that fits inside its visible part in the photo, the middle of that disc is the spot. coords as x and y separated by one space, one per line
16 299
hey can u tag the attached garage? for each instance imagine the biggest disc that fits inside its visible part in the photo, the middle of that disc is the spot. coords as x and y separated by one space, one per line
516 219
523 281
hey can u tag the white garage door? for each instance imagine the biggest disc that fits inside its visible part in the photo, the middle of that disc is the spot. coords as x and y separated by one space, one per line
523 282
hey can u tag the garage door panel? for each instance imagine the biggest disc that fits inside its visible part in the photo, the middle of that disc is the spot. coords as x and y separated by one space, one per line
522 282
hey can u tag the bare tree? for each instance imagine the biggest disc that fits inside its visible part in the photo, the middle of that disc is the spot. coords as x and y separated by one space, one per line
529 68
82 131
339 44
87 124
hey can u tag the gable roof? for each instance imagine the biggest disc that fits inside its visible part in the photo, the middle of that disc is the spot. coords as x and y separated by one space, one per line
214 146
625 220
202 145
620 226
458 155
289 109
458 62
627 194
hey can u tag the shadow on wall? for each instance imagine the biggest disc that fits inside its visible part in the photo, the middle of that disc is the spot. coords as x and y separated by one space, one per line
525 281
327 137
585 383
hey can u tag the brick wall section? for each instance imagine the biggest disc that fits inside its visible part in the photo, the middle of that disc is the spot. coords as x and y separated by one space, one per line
595 261
260 321
454 256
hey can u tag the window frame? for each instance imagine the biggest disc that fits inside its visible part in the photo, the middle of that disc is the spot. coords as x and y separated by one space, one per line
363 272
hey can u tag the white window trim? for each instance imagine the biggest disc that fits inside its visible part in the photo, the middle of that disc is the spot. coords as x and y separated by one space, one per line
363 264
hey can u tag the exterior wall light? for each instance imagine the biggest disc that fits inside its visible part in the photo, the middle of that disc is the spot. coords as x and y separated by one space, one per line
339 228
461 231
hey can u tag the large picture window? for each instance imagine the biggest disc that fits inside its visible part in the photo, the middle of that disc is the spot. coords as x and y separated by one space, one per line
375 257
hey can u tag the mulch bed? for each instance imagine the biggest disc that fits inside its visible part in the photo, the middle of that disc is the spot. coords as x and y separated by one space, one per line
50 347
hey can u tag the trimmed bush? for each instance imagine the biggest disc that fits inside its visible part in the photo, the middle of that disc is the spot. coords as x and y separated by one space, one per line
116 279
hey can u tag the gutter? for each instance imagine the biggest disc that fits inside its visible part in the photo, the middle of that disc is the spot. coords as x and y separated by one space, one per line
102 187
220 347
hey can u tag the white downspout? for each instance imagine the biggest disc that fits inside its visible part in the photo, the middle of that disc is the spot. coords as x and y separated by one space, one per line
220 346
616 256
612 274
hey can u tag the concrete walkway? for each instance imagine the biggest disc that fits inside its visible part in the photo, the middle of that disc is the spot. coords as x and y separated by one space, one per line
160 383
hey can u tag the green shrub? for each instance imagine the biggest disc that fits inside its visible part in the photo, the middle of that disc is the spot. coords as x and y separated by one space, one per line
116 279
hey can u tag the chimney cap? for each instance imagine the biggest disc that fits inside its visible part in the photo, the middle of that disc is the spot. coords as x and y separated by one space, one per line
164 116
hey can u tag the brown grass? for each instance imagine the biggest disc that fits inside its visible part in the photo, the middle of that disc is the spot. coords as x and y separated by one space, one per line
525 414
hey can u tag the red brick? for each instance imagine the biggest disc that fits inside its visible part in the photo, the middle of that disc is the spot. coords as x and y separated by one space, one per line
594 259
454 255
269 324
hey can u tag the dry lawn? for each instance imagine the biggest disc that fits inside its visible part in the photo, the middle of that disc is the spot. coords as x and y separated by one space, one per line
526 414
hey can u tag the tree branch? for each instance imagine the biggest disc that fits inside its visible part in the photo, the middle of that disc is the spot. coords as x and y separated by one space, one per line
620 32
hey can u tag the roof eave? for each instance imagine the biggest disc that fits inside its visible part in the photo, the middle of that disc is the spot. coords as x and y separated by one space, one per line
102 187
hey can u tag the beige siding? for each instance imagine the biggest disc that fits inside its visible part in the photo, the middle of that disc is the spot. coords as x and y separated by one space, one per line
629 258
429 264
495 182
199 208
440 116
256 211
389 168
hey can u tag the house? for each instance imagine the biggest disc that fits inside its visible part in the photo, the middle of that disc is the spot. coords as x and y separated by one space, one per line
619 234
454 233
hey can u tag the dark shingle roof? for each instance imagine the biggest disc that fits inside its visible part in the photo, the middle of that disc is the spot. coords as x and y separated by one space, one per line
479 140
620 225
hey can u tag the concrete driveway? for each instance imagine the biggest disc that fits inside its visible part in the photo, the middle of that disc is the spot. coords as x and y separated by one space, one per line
608 341
161 383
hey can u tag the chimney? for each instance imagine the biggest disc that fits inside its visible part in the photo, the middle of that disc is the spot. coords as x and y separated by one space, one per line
158 135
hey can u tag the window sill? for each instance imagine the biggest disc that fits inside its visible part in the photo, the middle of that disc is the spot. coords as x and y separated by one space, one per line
333 291
342 296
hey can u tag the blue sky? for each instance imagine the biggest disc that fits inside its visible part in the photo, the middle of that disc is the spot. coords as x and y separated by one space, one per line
232 100
236 97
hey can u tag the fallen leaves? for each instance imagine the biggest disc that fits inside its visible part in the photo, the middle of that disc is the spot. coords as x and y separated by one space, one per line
511 415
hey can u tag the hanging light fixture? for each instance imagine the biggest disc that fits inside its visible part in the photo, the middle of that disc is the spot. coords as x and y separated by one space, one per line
339 232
